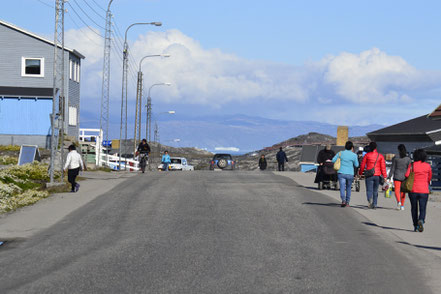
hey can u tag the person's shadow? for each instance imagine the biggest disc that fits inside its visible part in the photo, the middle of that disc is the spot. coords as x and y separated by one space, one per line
420 246
384 227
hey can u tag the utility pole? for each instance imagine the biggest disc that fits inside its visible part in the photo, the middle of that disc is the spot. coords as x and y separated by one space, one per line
148 122
58 86
124 90
138 110
104 117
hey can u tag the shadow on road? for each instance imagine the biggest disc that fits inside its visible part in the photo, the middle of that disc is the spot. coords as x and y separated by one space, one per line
386 228
322 204
420 246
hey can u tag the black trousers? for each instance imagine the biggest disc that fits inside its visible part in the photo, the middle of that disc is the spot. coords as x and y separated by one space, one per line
281 166
71 176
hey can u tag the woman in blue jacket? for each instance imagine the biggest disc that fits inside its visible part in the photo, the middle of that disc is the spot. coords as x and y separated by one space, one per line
349 161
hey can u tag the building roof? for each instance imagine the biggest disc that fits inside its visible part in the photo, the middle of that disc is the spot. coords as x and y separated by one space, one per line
14 27
433 150
422 125
436 114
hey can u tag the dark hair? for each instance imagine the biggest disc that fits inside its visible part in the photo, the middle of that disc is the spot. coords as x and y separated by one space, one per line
144 140
419 155
402 150
372 146
72 147
166 151
349 145
280 148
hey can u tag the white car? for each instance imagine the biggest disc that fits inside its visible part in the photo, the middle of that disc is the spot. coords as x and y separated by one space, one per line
178 163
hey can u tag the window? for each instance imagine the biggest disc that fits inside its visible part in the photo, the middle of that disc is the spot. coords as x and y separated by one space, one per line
32 67
70 68
72 116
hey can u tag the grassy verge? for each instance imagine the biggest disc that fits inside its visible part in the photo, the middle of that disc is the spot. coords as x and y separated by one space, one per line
22 185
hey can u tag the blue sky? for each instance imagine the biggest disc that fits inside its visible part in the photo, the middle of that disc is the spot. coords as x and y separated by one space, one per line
343 62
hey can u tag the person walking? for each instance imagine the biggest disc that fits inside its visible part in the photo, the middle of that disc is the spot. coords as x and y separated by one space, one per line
262 162
420 190
73 164
348 164
375 166
326 154
165 161
281 158
400 163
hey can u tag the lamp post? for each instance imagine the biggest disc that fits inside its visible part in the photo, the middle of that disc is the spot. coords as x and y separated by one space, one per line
124 87
139 99
148 122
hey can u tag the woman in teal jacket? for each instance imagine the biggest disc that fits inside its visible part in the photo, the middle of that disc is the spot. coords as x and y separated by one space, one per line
165 161
349 161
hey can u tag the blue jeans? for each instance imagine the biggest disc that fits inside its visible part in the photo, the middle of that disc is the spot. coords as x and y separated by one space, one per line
345 181
372 184
165 166
418 199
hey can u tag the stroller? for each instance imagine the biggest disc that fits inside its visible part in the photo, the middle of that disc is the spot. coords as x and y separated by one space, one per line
327 176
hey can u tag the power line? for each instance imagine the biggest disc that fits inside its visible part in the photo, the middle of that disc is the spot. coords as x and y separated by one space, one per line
81 30
99 6
87 15
94 10
44 3
82 20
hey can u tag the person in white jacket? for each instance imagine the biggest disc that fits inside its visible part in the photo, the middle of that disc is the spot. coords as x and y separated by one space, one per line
73 164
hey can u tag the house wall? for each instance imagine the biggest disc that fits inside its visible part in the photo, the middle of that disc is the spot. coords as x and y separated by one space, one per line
15 45
30 117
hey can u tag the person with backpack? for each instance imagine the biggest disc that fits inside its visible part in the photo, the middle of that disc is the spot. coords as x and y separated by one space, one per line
348 163
374 166
398 170
281 158
419 194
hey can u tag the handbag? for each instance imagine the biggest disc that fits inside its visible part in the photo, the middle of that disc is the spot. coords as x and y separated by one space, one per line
370 172
337 163
407 184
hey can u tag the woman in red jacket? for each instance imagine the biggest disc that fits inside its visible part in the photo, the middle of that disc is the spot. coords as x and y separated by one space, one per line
420 189
373 161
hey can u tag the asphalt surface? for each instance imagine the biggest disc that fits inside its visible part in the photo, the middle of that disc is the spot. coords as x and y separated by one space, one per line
208 232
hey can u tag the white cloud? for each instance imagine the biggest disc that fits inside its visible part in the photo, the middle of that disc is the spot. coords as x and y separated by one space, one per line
212 77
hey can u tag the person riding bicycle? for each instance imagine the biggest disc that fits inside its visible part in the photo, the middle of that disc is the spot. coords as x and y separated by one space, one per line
144 151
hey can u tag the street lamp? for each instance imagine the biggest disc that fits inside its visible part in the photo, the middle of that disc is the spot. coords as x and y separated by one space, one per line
124 87
139 98
148 122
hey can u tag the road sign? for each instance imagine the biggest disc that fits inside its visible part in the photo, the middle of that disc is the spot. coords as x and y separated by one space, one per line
28 154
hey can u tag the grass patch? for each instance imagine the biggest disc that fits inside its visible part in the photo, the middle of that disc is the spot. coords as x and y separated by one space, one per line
9 148
23 185
8 160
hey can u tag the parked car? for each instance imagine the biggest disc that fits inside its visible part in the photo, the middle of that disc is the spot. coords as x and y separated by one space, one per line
178 163
222 161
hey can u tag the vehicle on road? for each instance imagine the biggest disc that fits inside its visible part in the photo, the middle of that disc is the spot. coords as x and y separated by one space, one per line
222 161
178 163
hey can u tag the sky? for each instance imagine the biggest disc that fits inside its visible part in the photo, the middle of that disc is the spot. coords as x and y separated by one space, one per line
343 62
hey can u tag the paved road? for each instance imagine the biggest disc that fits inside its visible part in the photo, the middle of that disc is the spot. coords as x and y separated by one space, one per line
208 232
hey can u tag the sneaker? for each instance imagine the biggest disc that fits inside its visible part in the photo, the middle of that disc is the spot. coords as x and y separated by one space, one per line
415 228
402 208
77 187
420 226
374 207
347 204
398 205
343 204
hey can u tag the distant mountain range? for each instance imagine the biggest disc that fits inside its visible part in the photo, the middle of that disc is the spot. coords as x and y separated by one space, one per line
240 133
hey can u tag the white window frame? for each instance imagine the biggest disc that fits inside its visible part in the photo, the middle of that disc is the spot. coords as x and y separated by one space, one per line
23 67
70 68
73 116
78 72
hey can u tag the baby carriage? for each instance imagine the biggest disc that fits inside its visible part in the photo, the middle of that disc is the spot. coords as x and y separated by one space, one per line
328 176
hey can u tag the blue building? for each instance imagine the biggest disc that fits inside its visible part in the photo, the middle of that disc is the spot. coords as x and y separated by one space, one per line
26 87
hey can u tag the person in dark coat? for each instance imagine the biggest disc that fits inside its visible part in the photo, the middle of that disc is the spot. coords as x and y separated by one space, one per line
262 162
324 155
281 159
